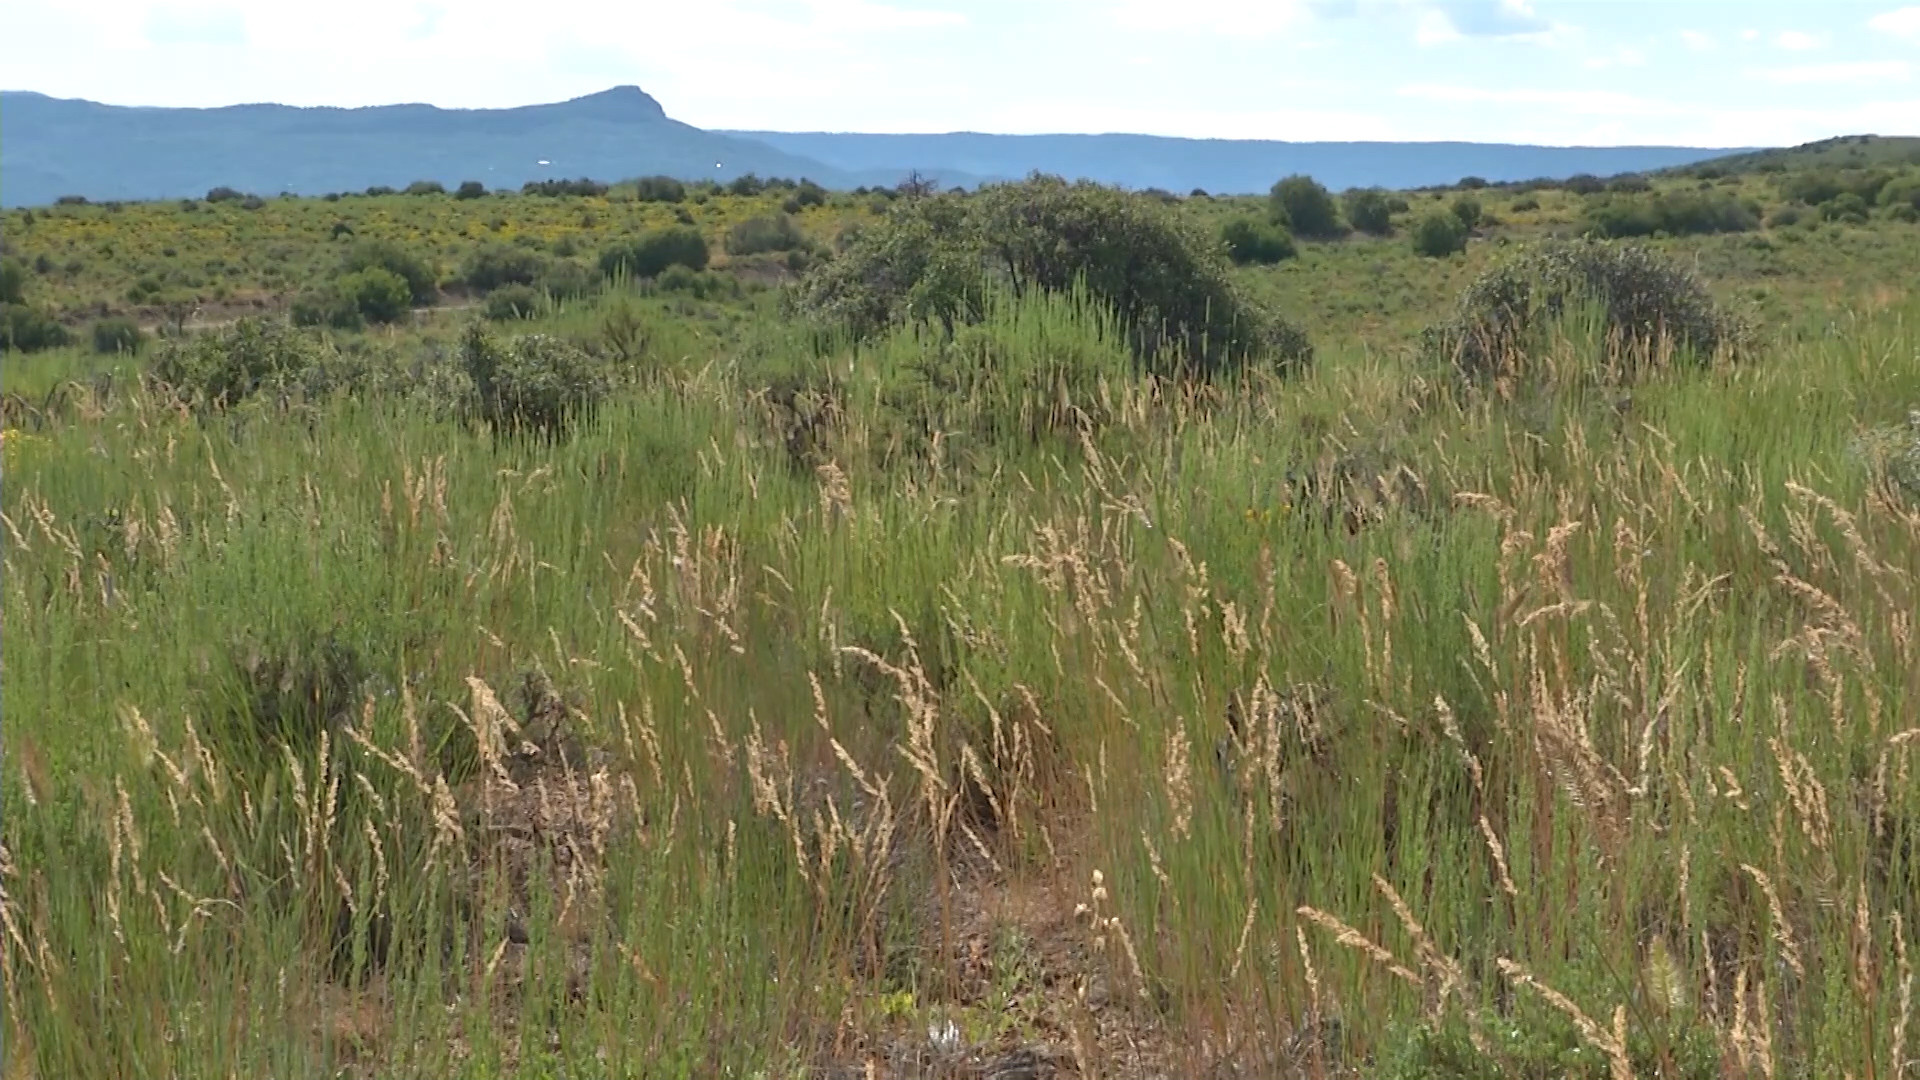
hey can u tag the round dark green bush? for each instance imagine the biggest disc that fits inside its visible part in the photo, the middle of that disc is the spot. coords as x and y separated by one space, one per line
493 265
229 365
1250 240
117 334
422 283
933 257
1845 207
378 294
566 279
511 302
661 189
769 232
325 307
1642 298
1903 191
25 328
1305 207
650 253
1370 211
426 187
1468 210
1439 234
13 282
1783 218
470 189
536 384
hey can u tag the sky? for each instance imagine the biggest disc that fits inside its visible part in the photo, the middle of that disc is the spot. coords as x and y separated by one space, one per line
1715 73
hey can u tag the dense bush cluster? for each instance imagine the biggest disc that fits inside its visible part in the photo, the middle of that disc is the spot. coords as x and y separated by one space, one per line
650 253
1251 241
768 232
533 385
25 327
934 257
1370 210
492 265
1674 213
422 283
117 335
253 357
660 189
559 188
1305 207
1438 234
1642 299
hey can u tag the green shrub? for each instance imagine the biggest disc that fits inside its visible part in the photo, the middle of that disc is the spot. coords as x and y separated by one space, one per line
227 366
582 187
534 384
13 282
325 307
1641 299
1584 184
426 187
652 252
1846 207
422 284
492 265
1525 203
117 334
25 328
1468 210
470 189
1783 218
935 256
1904 191
1676 213
513 302
769 232
566 279
1629 184
225 194
1304 206
1906 213
378 294
1250 240
810 194
1439 234
660 189
1370 211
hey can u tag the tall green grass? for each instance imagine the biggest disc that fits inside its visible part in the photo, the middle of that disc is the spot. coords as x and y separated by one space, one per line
1355 722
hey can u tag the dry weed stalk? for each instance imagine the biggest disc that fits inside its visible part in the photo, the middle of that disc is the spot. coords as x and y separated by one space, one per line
1612 1043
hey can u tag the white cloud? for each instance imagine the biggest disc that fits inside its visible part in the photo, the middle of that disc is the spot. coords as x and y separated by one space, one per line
1622 58
1580 102
1445 21
1858 72
1043 117
1798 41
1238 17
1697 41
1749 35
1901 22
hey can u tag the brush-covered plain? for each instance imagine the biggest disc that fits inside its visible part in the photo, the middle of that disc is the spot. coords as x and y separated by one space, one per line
651 682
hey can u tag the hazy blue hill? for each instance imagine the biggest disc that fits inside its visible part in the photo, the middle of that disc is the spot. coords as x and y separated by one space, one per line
1843 152
51 147
1223 165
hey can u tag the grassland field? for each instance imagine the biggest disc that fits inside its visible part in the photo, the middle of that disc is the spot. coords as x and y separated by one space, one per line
1354 721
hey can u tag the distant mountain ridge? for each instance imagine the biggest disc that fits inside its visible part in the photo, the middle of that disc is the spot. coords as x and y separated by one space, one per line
1227 166
52 147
